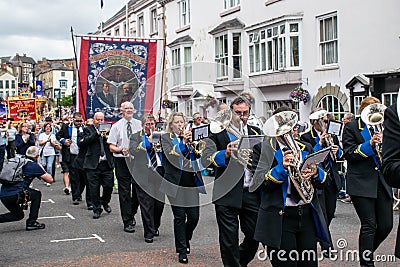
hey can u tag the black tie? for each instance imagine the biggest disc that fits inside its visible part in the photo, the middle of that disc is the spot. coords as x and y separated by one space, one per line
128 129
102 151
153 159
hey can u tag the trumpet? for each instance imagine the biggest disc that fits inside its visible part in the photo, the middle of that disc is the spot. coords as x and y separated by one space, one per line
281 124
318 116
372 115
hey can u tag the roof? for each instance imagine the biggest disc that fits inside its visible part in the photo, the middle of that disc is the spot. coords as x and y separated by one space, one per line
358 79
181 40
384 73
121 12
227 25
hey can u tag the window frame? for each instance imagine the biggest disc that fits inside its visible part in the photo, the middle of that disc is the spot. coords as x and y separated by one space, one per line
324 43
392 98
153 20
228 4
225 60
184 13
62 82
140 25
331 105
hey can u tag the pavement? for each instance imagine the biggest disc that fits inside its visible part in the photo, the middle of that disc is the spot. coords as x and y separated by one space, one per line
73 238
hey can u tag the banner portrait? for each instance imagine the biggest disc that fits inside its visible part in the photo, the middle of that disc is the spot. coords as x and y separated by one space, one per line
115 70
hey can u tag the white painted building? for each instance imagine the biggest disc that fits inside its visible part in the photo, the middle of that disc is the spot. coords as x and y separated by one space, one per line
8 85
57 81
269 47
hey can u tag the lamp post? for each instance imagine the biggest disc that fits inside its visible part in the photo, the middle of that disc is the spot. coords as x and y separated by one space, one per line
57 96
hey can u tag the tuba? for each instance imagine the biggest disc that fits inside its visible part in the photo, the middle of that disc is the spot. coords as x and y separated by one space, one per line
223 121
318 116
372 115
281 124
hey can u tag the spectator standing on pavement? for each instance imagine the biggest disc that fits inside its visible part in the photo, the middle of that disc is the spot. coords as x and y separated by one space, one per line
14 197
23 140
47 142
11 132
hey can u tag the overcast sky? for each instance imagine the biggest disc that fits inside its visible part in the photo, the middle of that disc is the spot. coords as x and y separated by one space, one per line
41 28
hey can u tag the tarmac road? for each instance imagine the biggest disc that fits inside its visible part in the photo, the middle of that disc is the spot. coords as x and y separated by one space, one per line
73 238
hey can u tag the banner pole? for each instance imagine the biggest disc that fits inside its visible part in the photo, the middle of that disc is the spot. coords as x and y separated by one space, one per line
78 87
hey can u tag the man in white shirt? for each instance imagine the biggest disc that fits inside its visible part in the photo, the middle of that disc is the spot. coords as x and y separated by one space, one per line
119 146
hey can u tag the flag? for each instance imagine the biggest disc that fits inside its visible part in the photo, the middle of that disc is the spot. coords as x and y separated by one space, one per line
101 4
39 91
113 71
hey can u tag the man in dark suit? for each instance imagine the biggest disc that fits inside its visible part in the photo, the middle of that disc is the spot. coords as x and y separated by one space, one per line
317 137
231 196
391 155
148 173
68 137
98 165
105 96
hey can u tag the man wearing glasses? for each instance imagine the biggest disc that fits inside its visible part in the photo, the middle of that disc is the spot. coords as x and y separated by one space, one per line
197 120
118 141
68 137
234 204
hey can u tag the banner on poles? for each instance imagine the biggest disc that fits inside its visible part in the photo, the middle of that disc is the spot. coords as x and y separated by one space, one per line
22 109
115 70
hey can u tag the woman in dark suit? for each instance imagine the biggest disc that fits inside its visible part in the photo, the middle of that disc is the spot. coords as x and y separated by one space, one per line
180 182
371 196
391 155
24 139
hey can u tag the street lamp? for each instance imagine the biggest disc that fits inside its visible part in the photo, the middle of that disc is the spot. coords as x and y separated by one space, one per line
57 93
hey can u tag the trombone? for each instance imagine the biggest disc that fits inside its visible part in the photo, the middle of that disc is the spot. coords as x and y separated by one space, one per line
373 115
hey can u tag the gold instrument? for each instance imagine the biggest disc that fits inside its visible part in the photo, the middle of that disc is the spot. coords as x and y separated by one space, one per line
197 146
104 129
223 121
281 124
372 115
319 117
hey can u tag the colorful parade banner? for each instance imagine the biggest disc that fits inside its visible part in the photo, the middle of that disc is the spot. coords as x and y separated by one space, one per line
39 91
22 109
3 112
115 70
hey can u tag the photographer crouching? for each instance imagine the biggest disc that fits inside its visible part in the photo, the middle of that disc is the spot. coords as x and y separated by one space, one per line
15 197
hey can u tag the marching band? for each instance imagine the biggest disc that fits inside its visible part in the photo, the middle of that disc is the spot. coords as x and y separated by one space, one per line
265 183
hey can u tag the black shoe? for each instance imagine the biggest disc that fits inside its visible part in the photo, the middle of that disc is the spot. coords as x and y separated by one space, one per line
157 233
129 228
90 207
35 226
97 214
107 208
75 202
148 240
183 258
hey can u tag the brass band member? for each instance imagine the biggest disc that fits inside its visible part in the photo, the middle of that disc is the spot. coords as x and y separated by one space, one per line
318 137
371 196
181 183
234 204
285 222
391 155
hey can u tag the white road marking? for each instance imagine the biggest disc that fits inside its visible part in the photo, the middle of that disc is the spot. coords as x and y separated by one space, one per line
94 236
60 216
49 200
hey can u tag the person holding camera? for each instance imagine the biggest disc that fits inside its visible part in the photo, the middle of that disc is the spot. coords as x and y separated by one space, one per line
15 197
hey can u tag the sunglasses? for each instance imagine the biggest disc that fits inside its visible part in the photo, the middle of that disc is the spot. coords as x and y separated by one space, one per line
78 120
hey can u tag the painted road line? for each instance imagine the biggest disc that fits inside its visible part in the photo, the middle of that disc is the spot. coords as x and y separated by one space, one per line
94 236
48 201
60 216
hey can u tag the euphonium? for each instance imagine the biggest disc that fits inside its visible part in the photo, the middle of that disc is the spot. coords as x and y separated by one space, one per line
319 116
372 115
281 124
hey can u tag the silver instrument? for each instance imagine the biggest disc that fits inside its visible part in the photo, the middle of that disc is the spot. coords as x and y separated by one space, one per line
318 116
372 115
281 125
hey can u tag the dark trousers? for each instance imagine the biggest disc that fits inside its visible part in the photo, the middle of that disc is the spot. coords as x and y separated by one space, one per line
185 221
298 234
10 149
228 220
2 155
158 211
376 217
146 203
328 198
102 176
78 180
12 203
128 199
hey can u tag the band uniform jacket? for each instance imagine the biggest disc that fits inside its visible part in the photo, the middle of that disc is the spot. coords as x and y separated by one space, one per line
363 171
274 193
332 167
179 161
391 156
91 140
146 177
63 134
229 178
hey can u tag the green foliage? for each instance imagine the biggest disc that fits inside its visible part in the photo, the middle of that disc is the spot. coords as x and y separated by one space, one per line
66 101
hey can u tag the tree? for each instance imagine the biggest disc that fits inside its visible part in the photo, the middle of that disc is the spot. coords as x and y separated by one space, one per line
66 101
